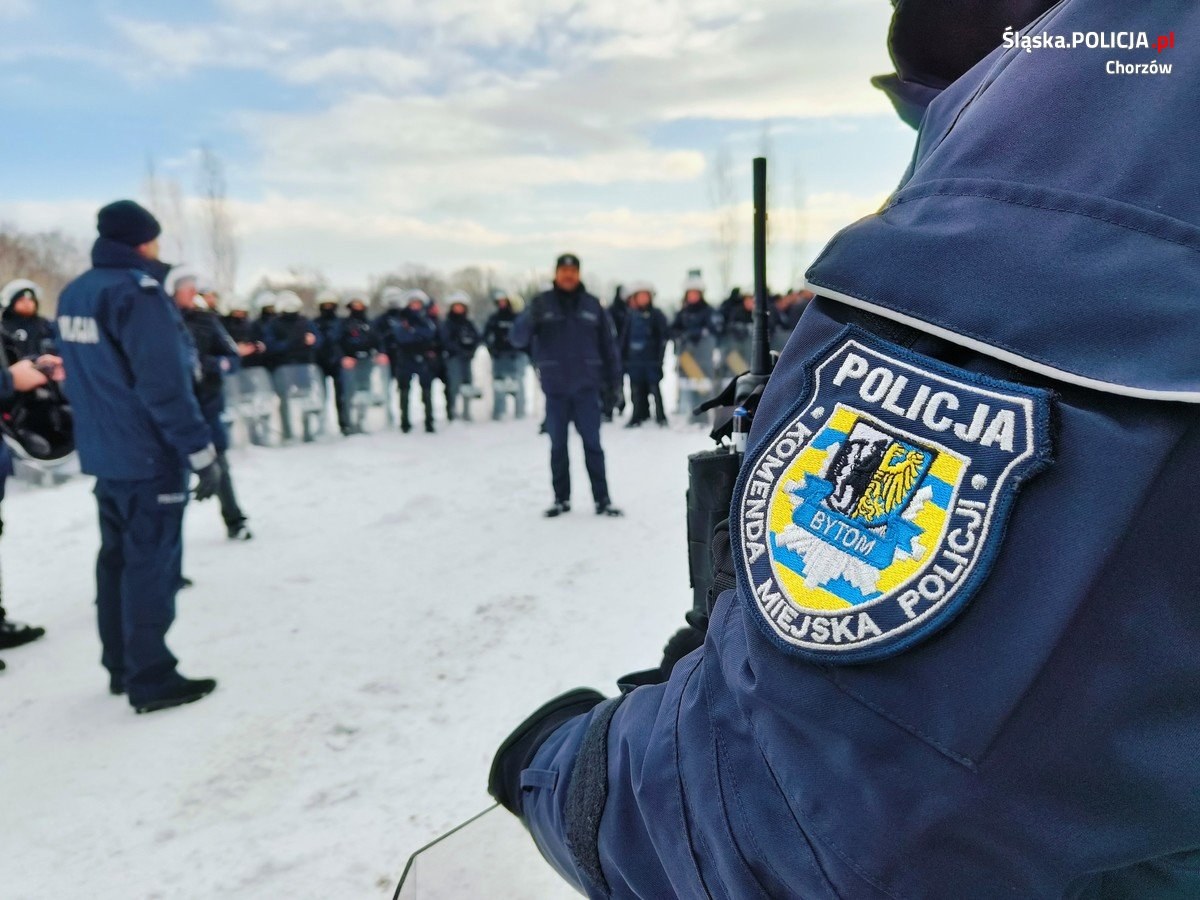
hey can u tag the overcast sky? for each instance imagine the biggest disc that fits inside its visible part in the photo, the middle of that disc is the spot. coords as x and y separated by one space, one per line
361 135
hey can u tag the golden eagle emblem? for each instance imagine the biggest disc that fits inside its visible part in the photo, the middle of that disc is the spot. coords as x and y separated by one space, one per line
892 483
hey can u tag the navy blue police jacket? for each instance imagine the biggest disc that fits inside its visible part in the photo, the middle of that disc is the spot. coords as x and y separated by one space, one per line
570 338
497 333
960 659
329 327
644 342
358 337
130 370
694 322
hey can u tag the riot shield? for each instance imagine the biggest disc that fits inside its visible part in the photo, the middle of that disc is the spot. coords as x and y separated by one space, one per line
696 366
388 380
301 392
250 398
366 388
735 352
508 380
489 855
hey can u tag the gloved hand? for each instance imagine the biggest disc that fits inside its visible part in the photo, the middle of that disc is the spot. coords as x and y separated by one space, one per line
520 747
209 480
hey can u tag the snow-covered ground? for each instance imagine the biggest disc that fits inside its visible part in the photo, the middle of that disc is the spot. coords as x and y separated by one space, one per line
403 606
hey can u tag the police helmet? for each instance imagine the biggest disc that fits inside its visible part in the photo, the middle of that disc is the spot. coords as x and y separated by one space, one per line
393 297
288 302
638 287
15 288
177 276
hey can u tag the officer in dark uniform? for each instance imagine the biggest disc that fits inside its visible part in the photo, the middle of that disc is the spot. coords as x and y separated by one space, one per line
360 347
508 362
459 339
331 356
410 339
29 336
643 345
571 340
216 357
138 429
958 653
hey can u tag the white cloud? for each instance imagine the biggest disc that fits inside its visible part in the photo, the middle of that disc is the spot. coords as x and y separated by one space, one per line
16 9
450 132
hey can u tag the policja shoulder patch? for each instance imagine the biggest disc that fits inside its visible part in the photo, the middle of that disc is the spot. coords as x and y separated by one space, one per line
871 515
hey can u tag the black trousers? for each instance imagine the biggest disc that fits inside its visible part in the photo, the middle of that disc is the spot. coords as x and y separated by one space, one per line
339 376
582 409
404 380
643 386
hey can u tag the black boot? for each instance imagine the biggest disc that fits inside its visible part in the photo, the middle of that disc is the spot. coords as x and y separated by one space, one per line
116 684
238 531
429 429
15 634
176 692
406 426
605 508
559 507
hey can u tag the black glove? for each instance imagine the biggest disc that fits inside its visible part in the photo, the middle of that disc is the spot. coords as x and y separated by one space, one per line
520 747
209 480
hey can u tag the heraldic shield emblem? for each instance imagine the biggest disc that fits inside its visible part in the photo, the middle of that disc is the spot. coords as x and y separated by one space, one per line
870 516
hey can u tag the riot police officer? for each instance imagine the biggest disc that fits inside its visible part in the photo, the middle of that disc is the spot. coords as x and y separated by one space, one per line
508 362
139 430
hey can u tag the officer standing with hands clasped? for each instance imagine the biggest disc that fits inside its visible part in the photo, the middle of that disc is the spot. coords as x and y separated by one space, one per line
951 648
139 430
570 338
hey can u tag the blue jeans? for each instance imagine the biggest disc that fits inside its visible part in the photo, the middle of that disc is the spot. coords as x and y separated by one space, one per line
582 409
137 575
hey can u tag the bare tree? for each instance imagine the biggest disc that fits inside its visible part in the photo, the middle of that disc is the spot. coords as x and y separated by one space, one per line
411 276
217 222
477 282
723 196
305 281
49 258
164 197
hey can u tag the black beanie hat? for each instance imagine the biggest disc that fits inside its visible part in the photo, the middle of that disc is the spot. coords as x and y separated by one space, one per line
567 260
127 223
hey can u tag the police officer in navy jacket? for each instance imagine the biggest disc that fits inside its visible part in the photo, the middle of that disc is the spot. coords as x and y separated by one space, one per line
571 340
957 655
139 430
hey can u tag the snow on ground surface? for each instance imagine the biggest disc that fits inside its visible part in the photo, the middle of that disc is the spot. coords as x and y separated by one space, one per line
403 606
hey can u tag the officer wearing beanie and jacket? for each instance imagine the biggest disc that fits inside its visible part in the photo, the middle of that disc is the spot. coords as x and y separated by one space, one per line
952 647
571 340
139 430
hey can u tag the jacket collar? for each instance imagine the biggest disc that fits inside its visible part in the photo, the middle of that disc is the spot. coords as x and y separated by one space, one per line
110 254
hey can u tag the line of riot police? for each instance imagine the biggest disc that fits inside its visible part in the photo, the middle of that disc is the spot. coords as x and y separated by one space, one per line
712 344
361 356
